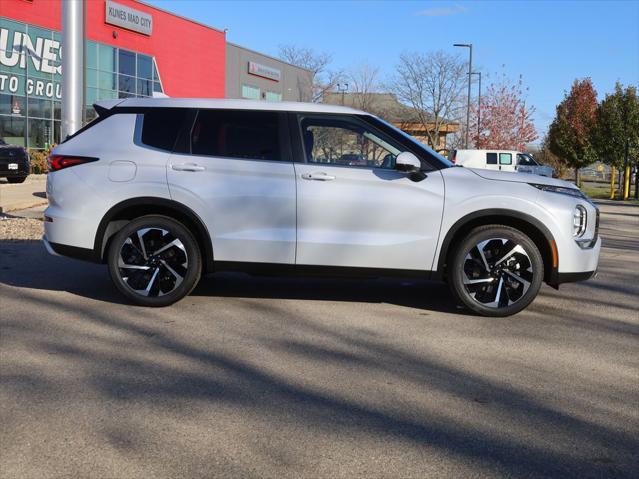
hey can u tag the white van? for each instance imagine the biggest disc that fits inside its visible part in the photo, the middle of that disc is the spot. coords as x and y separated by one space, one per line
503 160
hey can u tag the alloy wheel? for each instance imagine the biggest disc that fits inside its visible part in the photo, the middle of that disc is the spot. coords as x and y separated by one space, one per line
497 272
152 262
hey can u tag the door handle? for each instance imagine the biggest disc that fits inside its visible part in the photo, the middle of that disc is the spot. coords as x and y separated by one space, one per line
317 176
187 167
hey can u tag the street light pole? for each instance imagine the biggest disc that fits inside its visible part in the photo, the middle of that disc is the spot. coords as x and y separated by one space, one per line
470 69
478 105
342 87
72 66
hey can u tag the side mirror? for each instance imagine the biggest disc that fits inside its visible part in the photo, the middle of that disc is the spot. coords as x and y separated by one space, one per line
407 162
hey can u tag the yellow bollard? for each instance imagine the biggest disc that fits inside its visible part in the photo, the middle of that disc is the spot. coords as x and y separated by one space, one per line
626 183
613 172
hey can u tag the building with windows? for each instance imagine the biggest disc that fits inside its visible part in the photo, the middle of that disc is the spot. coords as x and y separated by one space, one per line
407 119
132 49
255 76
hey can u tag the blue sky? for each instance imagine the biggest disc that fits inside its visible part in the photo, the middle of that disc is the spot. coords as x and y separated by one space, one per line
549 42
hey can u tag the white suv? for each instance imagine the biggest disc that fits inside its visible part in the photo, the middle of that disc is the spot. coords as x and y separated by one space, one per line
165 190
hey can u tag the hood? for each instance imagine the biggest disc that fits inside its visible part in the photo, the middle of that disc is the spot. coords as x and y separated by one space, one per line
520 177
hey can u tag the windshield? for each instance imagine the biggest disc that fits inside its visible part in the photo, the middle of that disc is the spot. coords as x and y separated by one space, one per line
527 160
429 153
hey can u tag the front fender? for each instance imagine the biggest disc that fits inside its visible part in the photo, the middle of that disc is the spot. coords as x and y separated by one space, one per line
471 201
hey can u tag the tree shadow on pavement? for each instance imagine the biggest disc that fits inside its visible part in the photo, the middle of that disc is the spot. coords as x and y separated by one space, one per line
145 366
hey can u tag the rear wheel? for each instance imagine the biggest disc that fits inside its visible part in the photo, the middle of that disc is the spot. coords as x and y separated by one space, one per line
154 261
496 271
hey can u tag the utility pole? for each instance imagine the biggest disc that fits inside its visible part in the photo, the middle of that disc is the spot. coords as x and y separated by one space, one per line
72 66
470 69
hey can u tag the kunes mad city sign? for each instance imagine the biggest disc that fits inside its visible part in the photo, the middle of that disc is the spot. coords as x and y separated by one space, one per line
30 58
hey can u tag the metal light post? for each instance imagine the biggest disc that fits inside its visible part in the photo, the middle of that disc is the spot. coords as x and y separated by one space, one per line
343 88
478 105
470 69
72 66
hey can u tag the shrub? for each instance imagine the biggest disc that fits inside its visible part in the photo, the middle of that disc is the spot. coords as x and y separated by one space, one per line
39 160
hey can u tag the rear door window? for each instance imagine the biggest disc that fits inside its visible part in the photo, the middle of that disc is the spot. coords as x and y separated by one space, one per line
161 126
254 135
491 158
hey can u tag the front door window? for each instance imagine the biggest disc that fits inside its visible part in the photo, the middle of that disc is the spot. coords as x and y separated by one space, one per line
347 143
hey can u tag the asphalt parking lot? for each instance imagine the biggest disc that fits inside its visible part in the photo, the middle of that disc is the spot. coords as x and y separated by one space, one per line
321 378
23 195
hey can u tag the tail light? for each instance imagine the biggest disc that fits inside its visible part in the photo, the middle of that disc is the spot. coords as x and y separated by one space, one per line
453 157
60 162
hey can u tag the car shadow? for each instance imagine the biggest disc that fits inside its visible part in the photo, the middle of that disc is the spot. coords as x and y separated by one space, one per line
418 294
26 264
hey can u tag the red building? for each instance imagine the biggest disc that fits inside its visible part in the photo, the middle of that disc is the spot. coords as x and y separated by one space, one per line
132 49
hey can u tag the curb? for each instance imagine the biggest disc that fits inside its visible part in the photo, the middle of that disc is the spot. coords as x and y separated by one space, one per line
22 206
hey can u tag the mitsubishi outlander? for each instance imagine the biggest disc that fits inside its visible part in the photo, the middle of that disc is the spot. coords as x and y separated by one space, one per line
165 190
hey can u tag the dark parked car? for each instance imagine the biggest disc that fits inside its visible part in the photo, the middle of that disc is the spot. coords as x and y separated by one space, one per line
14 163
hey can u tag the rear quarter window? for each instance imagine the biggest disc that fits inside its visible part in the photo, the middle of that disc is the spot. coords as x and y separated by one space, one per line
160 128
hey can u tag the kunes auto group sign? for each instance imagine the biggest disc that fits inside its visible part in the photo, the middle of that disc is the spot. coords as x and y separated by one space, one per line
31 65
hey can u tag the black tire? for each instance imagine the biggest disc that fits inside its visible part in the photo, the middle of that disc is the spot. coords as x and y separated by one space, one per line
160 272
16 179
488 285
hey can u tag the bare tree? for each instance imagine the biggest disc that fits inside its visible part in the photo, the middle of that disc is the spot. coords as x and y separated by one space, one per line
321 79
433 85
363 82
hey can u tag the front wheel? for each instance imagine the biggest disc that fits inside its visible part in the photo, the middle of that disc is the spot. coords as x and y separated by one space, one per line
154 261
496 270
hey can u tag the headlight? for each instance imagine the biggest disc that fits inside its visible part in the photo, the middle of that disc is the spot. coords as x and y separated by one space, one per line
574 192
579 221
